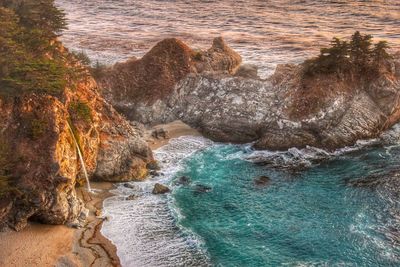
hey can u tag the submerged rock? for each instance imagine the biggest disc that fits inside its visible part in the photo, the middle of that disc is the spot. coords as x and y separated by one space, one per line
160 189
183 180
262 181
200 188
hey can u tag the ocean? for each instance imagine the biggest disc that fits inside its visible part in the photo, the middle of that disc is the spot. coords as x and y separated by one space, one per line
318 208
265 33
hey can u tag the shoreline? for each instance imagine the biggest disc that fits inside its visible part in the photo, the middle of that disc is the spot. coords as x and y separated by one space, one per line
59 245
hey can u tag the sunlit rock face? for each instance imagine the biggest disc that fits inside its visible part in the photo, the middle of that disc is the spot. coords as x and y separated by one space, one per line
39 165
230 103
137 86
268 112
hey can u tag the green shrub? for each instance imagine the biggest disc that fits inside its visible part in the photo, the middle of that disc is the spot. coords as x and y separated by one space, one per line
356 56
82 57
80 111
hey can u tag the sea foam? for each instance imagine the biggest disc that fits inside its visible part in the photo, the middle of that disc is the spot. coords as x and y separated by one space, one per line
144 230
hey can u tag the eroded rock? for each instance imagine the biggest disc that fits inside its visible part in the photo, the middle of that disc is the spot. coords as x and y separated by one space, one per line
39 164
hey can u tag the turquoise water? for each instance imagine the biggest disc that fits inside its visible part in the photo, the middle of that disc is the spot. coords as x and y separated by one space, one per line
309 217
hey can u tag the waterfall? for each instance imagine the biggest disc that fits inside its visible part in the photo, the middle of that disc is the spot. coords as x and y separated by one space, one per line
80 158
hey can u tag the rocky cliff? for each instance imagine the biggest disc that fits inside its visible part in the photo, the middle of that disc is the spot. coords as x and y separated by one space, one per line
230 103
39 164
134 86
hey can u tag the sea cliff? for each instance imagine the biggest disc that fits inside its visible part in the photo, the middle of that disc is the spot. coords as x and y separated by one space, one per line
228 102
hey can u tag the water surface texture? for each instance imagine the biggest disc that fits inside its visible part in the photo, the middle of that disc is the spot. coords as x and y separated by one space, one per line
307 216
263 32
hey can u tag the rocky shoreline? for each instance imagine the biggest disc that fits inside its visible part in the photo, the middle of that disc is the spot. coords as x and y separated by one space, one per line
84 246
88 127
228 102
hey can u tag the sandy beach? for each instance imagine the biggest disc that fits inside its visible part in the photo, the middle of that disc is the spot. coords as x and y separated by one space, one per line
174 130
59 245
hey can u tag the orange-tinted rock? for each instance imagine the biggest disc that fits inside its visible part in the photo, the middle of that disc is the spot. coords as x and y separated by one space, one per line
41 166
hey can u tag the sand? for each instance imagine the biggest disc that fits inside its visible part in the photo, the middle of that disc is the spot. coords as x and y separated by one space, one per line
61 246
175 129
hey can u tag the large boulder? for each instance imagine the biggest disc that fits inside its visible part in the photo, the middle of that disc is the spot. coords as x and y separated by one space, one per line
160 189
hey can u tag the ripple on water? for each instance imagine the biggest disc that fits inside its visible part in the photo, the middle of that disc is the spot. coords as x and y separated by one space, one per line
265 33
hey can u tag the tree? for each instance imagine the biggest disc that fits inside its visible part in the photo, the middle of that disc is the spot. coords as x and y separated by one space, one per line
354 57
30 60
360 49
379 52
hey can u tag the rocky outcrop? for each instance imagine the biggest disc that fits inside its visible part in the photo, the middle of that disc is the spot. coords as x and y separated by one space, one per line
286 110
39 165
160 189
134 86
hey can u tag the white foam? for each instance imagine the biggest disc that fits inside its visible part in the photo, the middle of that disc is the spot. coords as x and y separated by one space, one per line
145 229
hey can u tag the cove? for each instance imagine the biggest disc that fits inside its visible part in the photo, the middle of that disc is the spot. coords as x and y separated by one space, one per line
310 217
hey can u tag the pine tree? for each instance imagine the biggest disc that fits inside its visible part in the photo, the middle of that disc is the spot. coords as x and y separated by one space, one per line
360 50
379 52
29 60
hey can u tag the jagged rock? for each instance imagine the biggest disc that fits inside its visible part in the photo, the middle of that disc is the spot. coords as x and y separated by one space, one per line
262 181
137 86
278 113
160 189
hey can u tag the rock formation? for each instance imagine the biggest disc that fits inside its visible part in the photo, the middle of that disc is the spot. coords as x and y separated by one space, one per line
227 102
160 189
39 165
134 86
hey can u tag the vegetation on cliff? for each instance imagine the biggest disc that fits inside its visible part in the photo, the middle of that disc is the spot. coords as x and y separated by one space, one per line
357 56
31 58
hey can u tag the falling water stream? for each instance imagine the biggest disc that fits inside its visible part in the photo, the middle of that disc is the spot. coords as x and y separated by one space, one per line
80 159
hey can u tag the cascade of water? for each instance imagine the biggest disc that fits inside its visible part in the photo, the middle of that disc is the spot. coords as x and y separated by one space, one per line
80 158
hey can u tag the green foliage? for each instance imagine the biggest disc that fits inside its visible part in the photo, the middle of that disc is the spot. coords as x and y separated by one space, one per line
39 15
379 53
38 128
355 57
80 111
30 58
82 57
